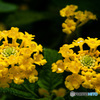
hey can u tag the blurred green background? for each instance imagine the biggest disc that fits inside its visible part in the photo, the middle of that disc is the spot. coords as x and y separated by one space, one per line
42 18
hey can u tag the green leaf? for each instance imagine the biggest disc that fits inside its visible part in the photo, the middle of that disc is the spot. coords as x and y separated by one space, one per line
25 90
51 56
16 92
44 99
59 98
47 79
25 17
7 7
31 86
3 97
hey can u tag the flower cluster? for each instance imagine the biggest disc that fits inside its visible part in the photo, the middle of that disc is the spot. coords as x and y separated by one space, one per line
18 57
61 92
43 92
74 18
84 65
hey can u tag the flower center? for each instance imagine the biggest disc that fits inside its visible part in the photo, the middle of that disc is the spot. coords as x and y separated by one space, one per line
87 61
9 51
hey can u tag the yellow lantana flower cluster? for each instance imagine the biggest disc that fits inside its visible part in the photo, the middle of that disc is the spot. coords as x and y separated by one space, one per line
43 92
74 18
18 57
61 92
84 65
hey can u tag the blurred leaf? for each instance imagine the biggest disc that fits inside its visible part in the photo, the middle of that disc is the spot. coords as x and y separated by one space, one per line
3 97
26 17
59 98
24 90
31 86
44 99
7 7
16 92
48 79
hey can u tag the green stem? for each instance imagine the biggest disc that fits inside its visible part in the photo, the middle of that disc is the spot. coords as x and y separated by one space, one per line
70 37
30 90
84 22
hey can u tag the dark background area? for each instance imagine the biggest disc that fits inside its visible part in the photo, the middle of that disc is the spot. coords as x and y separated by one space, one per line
42 18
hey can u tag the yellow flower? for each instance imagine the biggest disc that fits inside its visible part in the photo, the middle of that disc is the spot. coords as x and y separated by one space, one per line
23 7
65 50
90 15
2 26
43 92
33 78
16 61
68 10
73 81
93 43
74 19
58 66
96 83
79 42
69 26
18 80
61 92
73 67
80 16
38 59
83 64
88 79
13 33
84 16
4 82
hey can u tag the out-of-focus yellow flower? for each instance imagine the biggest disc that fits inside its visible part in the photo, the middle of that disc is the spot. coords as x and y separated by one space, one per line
16 61
96 83
68 10
23 7
84 16
83 64
33 77
75 19
90 15
2 27
88 79
80 16
61 92
43 92
69 26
